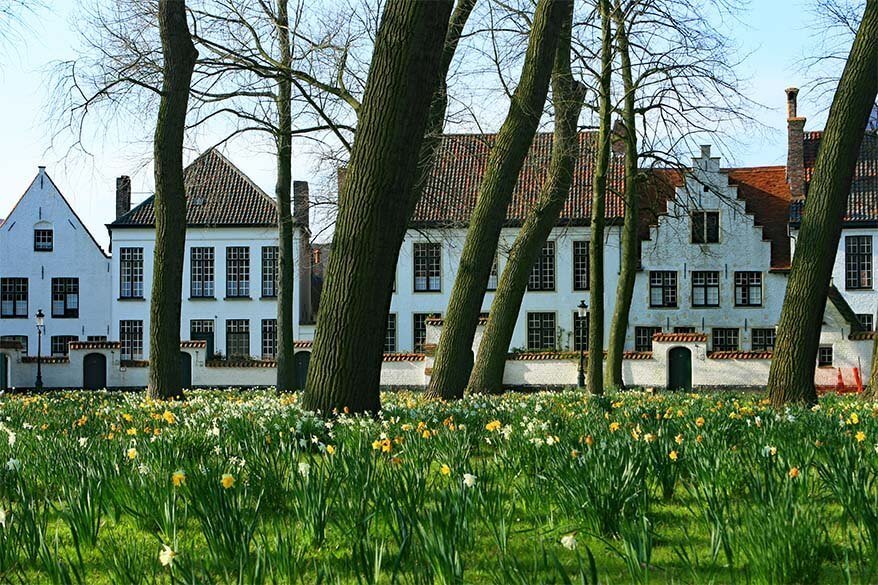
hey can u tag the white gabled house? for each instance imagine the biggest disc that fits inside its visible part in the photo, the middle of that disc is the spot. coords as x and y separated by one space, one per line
230 269
49 261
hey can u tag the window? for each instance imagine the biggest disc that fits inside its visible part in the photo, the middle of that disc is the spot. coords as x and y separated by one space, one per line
705 288
390 334
238 271
44 240
684 329
131 273
59 344
580 265
420 329
540 331
580 332
705 227
643 337
237 338
269 339
662 288
725 339
748 289
65 298
867 320
200 326
763 339
96 338
201 273
824 356
428 267
13 298
270 256
493 278
131 340
858 262
21 340
542 276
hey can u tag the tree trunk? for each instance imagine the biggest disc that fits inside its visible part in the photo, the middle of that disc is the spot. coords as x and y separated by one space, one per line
487 374
453 362
629 243
791 378
873 379
286 363
374 207
594 375
179 56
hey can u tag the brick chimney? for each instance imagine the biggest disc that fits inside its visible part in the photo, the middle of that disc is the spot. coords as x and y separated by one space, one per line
123 195
795 146
301 205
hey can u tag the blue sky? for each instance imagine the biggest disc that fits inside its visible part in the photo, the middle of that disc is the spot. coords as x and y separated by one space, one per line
776 34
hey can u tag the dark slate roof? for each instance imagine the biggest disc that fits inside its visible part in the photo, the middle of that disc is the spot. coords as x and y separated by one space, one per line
218 194
862 206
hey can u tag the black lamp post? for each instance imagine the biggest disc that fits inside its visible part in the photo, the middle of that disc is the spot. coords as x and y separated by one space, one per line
40 328
583 314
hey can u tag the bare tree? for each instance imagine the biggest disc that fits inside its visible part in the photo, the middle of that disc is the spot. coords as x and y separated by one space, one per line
178 61
453 362
791 378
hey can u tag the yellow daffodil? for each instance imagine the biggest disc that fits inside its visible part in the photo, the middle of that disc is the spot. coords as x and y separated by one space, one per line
445 470
169 417
614 426
860 436
494 425
673 455
699 422
330 450
227 481
793 473
178 478
132 453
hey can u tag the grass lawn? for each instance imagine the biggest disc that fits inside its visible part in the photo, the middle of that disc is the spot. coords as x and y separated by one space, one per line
537 488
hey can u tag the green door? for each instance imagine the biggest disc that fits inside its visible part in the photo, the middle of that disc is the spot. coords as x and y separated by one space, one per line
4 372
680 369
303 359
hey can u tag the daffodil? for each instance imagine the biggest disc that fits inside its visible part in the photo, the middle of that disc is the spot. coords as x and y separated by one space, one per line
227 481
494 425
178 478
166 556
793 472
860 436
568 541
132 453
469 480
673 455
445 470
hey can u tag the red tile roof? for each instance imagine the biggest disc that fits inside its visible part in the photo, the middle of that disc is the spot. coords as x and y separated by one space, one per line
679 337
767 196
94 345
217 194
571 355
739 355
451 191
862 335
862 208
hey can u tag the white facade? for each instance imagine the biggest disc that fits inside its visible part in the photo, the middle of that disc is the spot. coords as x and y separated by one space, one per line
859 288
740 248
42 242
217 308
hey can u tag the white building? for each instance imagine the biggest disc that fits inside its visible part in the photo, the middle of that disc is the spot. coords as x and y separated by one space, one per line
714 252
230 269
49 261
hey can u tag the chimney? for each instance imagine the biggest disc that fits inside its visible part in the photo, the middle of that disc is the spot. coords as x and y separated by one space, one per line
795 146
618 136
123 195
301 206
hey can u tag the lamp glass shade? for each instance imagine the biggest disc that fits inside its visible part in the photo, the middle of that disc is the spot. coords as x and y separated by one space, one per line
583 310
40 317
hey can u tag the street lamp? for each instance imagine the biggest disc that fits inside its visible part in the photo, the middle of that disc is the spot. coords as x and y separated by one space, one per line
583 314
41 327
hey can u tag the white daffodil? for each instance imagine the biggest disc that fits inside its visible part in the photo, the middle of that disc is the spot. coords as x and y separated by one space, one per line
166 556
568 541
469 480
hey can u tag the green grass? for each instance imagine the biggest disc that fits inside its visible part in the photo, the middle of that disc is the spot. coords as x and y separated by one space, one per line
538 488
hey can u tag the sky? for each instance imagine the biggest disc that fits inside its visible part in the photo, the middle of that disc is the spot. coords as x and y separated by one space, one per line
773 34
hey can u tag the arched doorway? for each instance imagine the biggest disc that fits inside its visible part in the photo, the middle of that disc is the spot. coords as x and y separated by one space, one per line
94 371
680 369
185 370
303 359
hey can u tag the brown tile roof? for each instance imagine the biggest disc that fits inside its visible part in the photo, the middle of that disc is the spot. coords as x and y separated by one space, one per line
862 208
403 357
32 359
739 355
241 363
862 335
679 337
197 344
451 191
767 196
94 345
217 194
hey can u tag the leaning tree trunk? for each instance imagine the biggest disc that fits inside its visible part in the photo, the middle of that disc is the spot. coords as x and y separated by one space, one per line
873 379
453 362
179 56
628 270
487 374
286 363
374 207
791 378
594 375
